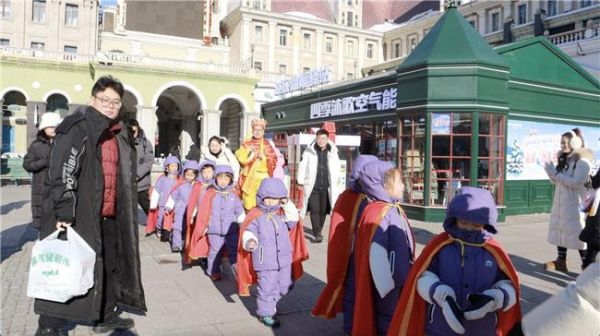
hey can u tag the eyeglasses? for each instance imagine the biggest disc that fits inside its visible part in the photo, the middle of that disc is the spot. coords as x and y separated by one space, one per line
107 102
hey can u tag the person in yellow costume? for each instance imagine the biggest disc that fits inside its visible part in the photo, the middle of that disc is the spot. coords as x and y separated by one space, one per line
259 159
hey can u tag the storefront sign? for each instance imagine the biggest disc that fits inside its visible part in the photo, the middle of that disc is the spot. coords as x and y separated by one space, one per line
304 81
373 101
531 144
440 123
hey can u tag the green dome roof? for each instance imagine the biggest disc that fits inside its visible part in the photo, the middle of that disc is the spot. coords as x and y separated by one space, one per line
452 41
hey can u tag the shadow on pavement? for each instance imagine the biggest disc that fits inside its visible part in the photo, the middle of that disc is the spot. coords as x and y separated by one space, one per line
536 269
5 209
422 236
531 298
293 307
15 237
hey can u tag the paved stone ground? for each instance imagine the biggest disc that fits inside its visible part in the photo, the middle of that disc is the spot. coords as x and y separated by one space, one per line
186 302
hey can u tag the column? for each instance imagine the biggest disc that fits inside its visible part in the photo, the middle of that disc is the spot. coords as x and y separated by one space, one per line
362 50
33 107
319 49
341 52
211 124
146 117
74 107
270 67
297 38
245 40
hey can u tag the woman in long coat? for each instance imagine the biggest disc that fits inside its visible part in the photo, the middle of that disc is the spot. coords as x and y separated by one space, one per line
37 160
569 176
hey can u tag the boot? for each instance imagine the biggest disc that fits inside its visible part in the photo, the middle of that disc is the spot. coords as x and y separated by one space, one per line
269 321
165 235
559 265
50 332
114 322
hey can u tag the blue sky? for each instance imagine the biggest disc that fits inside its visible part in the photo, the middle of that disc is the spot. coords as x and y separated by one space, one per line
108 2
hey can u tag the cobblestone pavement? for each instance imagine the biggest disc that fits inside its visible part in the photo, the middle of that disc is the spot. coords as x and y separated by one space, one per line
186 302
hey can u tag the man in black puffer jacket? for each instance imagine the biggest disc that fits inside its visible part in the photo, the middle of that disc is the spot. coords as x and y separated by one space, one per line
92 187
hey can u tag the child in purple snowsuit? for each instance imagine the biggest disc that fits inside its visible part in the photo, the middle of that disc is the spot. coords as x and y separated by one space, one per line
223 232
268 239
163 187
353 183
178 201
463 268
392 246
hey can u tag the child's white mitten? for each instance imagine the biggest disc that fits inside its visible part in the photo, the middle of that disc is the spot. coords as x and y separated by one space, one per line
432 290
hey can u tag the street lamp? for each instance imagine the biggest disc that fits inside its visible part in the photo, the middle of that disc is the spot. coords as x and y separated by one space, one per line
252 56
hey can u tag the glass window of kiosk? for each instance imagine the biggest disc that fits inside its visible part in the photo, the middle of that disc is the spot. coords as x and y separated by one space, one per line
412 157
450 155
490 165
378 137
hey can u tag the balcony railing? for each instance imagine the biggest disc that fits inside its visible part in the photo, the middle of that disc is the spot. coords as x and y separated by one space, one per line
115 58
575 35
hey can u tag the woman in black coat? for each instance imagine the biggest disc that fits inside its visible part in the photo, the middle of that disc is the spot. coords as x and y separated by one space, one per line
591 232
37 160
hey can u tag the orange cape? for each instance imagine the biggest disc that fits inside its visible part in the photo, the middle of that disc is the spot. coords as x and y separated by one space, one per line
197 191
364 310
409 317
168 216
341 236
246 275
198 245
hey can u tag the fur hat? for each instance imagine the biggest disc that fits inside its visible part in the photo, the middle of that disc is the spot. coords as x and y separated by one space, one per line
49 119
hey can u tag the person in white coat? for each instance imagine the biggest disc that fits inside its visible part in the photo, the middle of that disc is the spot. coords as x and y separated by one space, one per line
569 176
573 311
318 175
219 153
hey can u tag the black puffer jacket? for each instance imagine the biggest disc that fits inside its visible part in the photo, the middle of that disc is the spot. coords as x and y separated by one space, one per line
36 161
591 232
75 195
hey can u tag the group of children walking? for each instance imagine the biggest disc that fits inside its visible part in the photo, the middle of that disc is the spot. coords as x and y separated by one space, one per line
198 210
463 282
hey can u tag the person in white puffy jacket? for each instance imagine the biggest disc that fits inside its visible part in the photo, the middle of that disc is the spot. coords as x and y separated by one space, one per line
569 176
573 311
218 152
318 175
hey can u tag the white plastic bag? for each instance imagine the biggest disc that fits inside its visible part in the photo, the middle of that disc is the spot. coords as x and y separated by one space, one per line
61 269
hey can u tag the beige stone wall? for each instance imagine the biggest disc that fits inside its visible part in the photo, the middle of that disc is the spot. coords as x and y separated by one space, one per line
20 29
166 17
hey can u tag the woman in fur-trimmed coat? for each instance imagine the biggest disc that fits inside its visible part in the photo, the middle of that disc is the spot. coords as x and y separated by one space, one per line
569 176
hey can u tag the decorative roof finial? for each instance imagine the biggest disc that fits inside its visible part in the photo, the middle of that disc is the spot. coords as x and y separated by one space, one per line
450 4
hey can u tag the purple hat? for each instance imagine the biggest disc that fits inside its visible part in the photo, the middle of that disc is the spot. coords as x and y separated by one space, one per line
271 187
205 163
475 205
357 169
371 180
171 159
224 169
190 164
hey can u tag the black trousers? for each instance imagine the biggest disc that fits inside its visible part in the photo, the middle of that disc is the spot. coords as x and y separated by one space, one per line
590 255
144 200
318 205
109 298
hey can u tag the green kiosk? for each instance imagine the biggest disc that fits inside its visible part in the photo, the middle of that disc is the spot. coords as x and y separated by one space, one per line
458 112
